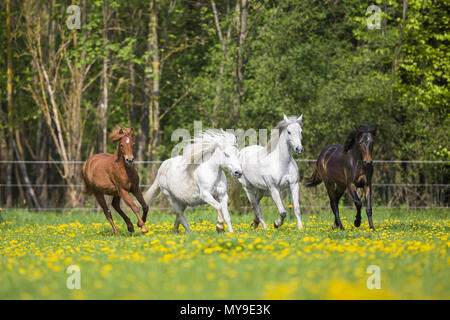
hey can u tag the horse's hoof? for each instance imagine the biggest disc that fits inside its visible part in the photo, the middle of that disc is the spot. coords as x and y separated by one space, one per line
220 230
254 224
357 223
334 227
130 229
276 225
144 230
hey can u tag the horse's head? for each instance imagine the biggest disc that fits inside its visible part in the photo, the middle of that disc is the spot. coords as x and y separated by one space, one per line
230 160
365 138
294 133
125 139
229 153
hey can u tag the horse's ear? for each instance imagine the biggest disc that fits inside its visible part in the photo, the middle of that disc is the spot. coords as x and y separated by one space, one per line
374 130
285 118
121 130
299 119
132 131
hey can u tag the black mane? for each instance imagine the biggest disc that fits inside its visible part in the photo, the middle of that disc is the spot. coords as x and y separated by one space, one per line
350 141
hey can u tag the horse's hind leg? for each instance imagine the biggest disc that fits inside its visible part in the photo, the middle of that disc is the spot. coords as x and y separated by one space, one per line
179 211
101 200
255 197
176 225
116 205
335 194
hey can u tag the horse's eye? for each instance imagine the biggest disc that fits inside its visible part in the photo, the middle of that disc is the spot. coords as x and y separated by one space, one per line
289 132
226 154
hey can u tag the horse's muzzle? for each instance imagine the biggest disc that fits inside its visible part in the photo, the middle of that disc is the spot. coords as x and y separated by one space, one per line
367 163
129 161
298 150
237 173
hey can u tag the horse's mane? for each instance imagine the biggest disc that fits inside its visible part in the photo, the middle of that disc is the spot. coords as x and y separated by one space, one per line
275 134
120 132
205 144
351 138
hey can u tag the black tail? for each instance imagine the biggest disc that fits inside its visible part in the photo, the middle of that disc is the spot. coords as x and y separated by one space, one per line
314 180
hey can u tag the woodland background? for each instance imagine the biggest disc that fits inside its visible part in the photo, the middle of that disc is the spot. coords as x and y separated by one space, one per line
160 65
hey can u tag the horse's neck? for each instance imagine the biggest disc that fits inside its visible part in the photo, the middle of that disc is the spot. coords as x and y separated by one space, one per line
355 156
283 151
212 164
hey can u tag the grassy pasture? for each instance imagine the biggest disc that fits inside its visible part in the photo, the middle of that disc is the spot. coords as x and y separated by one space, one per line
409 247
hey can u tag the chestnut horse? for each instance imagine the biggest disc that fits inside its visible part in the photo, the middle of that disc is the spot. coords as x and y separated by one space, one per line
347 167
113 174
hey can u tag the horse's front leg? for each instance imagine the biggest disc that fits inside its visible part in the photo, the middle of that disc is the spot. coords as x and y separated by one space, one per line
295 201
275 193
209 199
368 195
138 194
129 201
358 204
223 199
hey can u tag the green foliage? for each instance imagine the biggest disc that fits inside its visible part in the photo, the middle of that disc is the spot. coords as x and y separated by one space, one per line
312 57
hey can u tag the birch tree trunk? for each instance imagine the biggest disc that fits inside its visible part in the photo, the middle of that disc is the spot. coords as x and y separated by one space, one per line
57 92
103 105
18 151
155 80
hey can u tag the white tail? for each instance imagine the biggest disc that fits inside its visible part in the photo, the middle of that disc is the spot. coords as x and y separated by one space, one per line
152 192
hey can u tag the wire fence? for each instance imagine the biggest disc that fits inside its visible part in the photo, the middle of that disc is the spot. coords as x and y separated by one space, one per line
398 184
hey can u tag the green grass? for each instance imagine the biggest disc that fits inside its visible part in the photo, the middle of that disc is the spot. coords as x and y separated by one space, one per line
409 247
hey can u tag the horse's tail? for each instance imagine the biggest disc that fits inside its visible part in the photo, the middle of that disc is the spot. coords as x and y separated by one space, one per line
314 180
152 192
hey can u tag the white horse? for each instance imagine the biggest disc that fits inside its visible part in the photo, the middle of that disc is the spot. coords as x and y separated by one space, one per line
268 170
197 176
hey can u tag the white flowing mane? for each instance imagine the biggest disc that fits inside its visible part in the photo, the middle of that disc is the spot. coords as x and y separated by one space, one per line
206 143
275 136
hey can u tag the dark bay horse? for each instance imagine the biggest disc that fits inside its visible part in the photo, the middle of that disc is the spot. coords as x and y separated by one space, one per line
347 167
113 174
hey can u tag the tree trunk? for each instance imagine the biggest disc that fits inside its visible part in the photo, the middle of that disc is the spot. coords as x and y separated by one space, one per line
9 168
19 152
155 81
242 11
103 105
